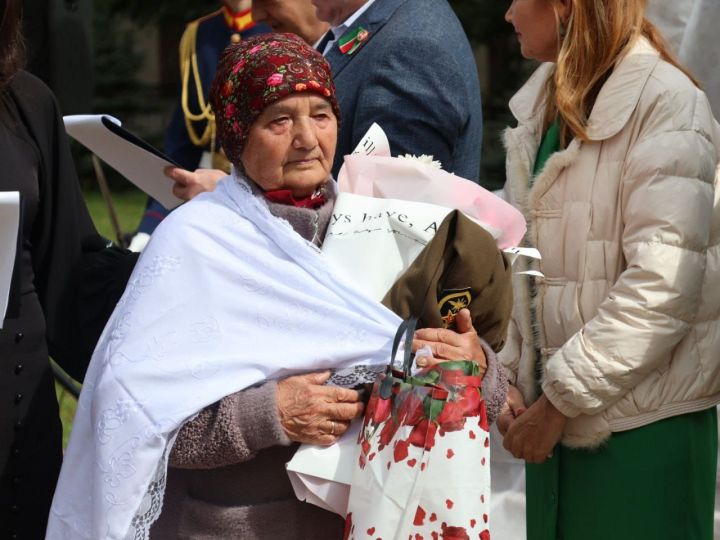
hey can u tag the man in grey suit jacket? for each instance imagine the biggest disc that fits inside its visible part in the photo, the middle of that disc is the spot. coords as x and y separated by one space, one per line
407 65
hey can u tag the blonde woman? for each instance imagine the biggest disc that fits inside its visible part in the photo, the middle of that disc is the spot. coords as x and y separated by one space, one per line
615 350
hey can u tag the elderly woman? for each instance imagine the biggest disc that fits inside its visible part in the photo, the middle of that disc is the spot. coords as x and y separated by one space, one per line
215 360
614 161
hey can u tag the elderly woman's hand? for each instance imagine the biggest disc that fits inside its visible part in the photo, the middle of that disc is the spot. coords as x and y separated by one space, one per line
313 413
462 344
533 435
514 407
189 184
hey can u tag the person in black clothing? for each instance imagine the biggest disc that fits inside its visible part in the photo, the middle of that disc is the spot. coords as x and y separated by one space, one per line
57 237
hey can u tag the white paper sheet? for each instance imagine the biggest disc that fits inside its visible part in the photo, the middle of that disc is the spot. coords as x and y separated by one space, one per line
124 152
321 475
373 241
9 227
373 143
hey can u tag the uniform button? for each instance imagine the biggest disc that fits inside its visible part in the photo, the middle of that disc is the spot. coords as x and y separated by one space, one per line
235 38
18 425
16 452
16 480
18 399
19 337
18 369
14 509
14 536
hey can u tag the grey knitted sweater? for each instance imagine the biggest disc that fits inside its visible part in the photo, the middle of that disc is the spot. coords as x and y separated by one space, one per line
227 475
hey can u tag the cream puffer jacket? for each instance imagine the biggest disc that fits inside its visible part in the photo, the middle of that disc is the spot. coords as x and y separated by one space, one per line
628 226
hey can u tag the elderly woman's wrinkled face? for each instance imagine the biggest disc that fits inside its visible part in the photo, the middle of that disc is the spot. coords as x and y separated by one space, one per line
291 145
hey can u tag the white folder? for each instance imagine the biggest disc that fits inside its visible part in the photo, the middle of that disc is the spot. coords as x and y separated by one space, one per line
125 152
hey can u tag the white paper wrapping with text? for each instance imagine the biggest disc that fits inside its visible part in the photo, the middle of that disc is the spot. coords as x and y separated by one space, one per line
374 240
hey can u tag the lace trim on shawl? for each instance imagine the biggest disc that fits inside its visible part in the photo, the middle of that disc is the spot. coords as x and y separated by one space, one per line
151 505
356 376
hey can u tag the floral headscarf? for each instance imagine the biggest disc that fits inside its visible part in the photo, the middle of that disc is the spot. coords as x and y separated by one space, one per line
258 72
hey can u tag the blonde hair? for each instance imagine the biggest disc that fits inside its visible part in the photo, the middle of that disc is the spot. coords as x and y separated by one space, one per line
597 35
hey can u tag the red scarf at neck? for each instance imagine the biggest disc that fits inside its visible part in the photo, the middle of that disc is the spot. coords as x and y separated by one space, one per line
285 196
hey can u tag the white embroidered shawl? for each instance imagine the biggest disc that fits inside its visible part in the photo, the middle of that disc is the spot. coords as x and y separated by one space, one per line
224 296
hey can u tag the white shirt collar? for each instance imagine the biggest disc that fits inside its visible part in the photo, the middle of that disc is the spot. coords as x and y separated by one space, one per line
339 30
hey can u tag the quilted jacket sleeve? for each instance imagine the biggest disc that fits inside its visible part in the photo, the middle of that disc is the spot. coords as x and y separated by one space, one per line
667 207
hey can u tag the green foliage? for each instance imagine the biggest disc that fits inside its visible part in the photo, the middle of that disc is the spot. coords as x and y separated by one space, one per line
484 23
118 91
160 11
482 19
129 206
117 63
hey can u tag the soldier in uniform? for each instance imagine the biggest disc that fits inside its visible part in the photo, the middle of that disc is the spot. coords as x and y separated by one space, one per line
190 136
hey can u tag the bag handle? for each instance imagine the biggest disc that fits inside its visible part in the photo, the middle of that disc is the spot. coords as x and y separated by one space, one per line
406 329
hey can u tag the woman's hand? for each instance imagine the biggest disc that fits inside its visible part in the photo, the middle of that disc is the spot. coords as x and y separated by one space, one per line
189 184
313 413
534 434
462 344
514 407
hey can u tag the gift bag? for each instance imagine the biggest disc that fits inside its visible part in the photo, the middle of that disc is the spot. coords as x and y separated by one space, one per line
423 470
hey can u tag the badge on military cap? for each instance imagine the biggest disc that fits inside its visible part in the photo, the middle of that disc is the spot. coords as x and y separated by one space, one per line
450 302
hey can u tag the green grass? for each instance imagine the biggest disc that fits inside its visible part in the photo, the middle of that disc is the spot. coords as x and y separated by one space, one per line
129 206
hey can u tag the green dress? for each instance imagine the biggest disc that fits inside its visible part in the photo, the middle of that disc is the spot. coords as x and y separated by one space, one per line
652 482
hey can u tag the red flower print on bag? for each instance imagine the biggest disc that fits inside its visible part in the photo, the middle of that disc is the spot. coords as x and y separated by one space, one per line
451 418
484 425
454 533
400 452
419 516
382 411
401 424
470 400
365 446
453 377
388 432
423 434
411 410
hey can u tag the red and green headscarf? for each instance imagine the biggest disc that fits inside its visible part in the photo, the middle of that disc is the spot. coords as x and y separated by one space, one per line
257 72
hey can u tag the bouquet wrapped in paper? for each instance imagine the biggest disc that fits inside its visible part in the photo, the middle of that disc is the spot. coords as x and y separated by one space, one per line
389 209
420 240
